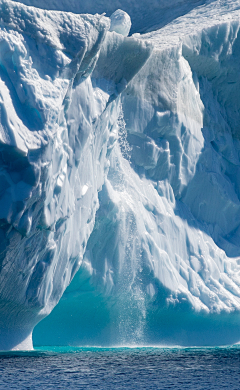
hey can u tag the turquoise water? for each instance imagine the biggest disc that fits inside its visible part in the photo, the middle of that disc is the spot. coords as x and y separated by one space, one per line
121 368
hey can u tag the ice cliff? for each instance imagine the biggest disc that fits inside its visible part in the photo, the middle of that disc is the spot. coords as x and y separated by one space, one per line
57 127
120 182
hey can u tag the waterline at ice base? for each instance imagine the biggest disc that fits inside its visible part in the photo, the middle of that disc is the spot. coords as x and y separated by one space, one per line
120 173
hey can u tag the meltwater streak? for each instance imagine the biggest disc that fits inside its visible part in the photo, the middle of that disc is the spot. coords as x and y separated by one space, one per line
121 368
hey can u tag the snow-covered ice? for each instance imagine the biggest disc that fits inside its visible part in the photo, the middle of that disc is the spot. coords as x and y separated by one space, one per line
120 161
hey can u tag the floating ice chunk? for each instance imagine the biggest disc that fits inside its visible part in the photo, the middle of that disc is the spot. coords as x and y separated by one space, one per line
120 22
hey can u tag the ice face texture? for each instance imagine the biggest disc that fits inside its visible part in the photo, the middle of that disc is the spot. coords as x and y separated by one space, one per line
44 56
57 128
146 15
119 178
162 263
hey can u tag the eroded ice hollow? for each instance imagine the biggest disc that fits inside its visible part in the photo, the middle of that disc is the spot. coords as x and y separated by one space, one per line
119 170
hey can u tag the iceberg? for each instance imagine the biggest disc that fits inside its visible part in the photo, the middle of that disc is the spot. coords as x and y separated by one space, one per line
162 263
57 128
119 183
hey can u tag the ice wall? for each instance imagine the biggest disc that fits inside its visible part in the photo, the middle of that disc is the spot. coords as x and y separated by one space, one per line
162 264
119 172
57 127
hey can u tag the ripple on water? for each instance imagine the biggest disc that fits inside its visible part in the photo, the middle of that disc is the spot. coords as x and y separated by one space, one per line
121 368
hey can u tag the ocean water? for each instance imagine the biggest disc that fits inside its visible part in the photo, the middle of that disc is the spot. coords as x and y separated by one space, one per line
121 368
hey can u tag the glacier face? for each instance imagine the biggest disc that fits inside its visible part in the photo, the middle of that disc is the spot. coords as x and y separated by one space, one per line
56 131
120 173
41 60
162 263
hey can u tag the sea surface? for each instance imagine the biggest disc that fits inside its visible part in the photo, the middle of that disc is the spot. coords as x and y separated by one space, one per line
121 368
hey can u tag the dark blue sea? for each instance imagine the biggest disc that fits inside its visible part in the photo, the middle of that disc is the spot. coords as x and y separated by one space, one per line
121 368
